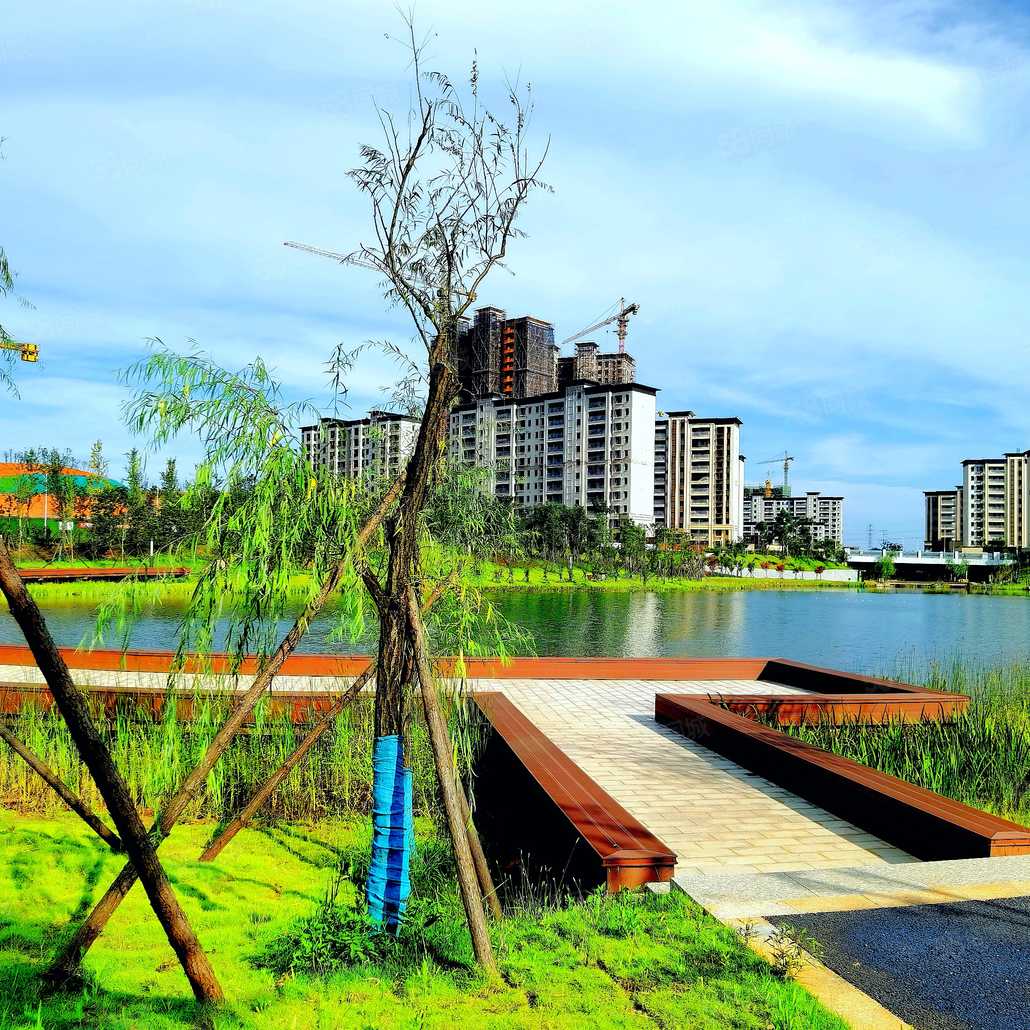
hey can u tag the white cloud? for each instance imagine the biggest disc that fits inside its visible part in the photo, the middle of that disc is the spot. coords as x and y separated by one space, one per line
819 206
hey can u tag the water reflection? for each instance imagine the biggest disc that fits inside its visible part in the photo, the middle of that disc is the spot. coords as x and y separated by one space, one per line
849 630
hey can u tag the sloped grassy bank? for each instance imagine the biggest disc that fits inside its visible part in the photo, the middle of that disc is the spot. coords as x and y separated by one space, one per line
279 914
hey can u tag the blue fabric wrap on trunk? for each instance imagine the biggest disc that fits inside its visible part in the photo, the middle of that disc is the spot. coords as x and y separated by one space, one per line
392 834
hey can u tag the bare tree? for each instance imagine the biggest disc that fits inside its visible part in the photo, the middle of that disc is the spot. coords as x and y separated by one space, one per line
445 189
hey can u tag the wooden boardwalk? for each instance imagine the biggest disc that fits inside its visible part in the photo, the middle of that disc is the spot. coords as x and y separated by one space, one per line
592 723
714 814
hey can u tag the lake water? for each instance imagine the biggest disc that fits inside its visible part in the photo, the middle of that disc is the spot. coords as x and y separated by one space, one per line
862 632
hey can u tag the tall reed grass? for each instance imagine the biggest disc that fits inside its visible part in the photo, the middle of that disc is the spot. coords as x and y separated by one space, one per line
335 779
981 757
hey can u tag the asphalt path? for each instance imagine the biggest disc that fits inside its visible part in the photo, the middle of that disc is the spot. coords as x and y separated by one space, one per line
938 967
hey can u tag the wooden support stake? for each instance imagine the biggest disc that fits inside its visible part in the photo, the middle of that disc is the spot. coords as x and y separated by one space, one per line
141 850
73 801
69 958
486 880
268 788
265 791
468 879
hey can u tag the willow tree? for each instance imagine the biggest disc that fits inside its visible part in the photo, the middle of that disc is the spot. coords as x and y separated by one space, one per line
444 188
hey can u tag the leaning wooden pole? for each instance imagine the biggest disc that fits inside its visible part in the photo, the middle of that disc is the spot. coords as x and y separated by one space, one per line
141 850
468 879
483 874
268 788
67 961
72 800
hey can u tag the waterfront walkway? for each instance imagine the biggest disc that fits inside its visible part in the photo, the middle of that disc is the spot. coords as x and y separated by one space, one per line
751 852
710 811
715 815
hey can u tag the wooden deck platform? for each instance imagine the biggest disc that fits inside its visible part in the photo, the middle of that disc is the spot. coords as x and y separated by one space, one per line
612 790
71 574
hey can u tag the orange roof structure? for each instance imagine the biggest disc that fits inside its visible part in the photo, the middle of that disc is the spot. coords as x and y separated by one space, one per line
18 480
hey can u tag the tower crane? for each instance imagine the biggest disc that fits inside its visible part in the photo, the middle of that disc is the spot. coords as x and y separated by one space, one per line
343 259
26 351
621 317
786 460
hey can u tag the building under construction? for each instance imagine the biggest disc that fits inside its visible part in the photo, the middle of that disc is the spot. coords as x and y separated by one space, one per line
517 358
510 357
588 363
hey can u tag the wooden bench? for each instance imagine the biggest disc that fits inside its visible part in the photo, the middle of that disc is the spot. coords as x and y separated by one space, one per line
919 821
517 818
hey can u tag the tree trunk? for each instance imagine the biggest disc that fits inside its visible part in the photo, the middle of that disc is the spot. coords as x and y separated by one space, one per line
141 850
67 961
268 788
483 874
388 885
468 880
73 801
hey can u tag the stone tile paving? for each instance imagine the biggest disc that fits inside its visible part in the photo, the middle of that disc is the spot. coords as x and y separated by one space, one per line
714 814
739 896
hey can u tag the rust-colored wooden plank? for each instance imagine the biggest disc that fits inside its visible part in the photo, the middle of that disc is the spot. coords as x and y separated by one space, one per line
832 681
918 820
781 670
794 710
317 665
45 575
793 748
304 707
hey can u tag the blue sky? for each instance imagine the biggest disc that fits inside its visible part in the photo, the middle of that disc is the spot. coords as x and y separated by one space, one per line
820 208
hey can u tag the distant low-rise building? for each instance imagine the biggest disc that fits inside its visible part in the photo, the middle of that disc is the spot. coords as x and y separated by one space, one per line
824 512
361 447
23 492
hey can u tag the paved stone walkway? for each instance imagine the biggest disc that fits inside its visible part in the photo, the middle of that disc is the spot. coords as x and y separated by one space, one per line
714 814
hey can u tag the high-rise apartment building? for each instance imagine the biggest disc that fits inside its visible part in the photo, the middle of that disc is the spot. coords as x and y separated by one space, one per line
703 469
511 357
991 507
943 519
589 364
590 445
661 455
361 447
1017 499
824 512
984 496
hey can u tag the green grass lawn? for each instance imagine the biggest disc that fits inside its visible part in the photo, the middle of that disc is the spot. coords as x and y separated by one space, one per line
160 562
547 578
76 594
791 562
633 961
